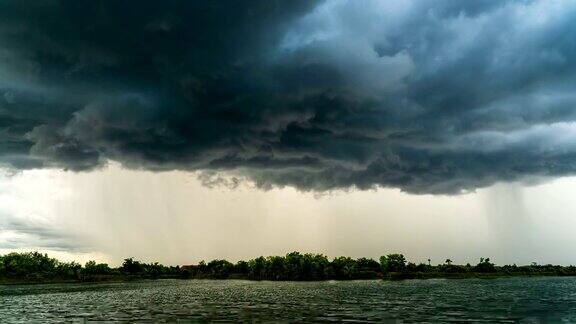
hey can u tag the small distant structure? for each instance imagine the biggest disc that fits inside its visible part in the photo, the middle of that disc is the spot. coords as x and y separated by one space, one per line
189 267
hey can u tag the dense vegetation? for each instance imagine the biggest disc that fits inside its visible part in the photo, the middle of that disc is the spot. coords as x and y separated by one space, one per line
37 267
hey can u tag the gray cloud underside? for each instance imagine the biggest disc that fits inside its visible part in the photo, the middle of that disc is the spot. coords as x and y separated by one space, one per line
29 233
425 96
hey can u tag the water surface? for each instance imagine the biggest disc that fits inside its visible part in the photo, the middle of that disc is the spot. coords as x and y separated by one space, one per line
523 300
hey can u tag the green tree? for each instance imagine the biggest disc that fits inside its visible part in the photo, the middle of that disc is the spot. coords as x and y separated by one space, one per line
485 266
219 269
257 268
394 262
132 267
93 268
344 268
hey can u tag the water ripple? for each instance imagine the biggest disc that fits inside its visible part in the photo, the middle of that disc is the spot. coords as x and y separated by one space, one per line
516 300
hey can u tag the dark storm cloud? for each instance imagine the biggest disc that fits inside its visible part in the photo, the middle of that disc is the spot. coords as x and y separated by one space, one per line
426 96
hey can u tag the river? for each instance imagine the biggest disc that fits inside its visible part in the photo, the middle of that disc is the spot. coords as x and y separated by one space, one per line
510 300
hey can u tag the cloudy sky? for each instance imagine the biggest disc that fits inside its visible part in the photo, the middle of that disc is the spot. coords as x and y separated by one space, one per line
182 130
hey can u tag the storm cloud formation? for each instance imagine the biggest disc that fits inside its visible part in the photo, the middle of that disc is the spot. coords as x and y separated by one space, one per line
426 96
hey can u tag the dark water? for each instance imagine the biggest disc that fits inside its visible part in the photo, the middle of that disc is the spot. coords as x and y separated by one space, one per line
523 300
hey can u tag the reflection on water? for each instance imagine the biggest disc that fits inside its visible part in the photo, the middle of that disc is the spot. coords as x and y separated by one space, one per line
525 300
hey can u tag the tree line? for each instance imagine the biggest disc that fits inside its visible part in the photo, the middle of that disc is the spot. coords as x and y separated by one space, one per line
38 267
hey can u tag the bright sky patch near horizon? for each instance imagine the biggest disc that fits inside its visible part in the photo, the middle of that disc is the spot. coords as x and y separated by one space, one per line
171 217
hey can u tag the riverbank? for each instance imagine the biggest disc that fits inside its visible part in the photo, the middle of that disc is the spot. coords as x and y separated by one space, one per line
388 277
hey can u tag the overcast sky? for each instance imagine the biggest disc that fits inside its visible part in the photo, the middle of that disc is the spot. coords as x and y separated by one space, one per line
171 217
179 130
